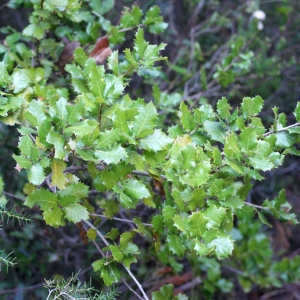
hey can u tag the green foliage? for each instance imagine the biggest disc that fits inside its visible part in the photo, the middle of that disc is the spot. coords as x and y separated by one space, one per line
80 131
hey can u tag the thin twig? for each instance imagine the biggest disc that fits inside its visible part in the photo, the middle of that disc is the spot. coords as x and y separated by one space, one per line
257 206
281 129
119 219
13 196
131 289
128 271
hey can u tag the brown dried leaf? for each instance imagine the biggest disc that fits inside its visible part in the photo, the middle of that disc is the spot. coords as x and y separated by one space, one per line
101 50
67 53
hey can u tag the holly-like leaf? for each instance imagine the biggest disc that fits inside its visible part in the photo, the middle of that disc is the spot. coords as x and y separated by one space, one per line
197 224
58 141
215 130
54 217
223 108
58 168
187 120
223 246
215 216
155 142
135 189
76 212
82 128
248 139
108 138
251 106
112 155
164 293
144 122
36 174
42 198
175 244
78 190
75 112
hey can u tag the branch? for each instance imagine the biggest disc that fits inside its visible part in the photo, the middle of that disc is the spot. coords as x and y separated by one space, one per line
282 129
256 206
119 219
128 271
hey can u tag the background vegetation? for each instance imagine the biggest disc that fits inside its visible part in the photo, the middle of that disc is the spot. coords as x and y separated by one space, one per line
215 49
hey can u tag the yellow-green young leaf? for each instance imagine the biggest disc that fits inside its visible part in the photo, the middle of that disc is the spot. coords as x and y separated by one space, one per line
76 212
92 234
113 62
54 217
116 252
175 244
135 189
231 148
58 178
201 248
248 139
296 113
4 77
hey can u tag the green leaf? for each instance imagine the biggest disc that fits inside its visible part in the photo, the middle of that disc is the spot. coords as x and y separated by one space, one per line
215 130
102 6
36 174
284 140
20 80
223 108
75 112
175 244
58 178
187 120
164 293
144 122
215 216
296 113
82 128
34 30
112 155
140 45
110 274
223 246
135 189
116 253
76 212
197 224
155 142
108 138
251 106
248 139
43 198
113 62
78 190
22 161
4 77
54 217
58 141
